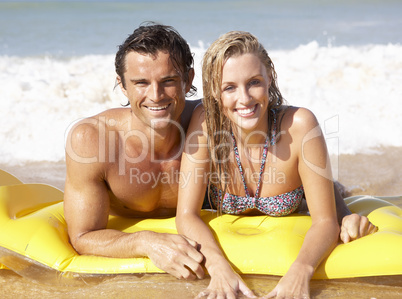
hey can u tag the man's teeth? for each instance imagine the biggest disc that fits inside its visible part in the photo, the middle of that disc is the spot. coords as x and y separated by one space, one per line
158 108
246 110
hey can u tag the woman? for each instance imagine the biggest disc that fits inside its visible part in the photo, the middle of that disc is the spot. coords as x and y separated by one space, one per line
240 137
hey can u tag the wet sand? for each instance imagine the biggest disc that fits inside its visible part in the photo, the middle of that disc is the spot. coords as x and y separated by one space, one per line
165 286
375 174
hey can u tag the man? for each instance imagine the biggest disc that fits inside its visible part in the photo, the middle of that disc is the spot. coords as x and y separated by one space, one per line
126 161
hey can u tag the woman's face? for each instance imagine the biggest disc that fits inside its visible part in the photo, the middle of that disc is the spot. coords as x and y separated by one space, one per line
244 92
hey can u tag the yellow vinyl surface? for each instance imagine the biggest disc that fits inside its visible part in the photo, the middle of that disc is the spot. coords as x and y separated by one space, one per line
32 226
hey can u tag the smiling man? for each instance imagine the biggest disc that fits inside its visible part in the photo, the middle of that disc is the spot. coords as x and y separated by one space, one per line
126 161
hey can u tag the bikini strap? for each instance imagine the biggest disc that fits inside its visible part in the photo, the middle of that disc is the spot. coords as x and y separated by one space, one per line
274 127
264 156
237 157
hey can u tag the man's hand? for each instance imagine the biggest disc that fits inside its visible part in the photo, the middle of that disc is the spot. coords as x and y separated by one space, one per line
177 255
355 226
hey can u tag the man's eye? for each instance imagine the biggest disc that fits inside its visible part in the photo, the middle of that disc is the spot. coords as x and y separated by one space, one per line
169 81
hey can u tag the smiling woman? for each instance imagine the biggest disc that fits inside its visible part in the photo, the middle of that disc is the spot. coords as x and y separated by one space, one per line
245 94
244 125
243 132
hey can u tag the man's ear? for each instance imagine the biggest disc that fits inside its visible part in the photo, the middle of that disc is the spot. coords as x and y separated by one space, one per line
189 82
120 83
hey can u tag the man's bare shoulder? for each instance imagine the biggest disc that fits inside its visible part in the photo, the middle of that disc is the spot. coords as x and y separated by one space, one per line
85 137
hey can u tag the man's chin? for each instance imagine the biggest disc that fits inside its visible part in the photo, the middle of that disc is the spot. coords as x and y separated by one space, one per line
164 123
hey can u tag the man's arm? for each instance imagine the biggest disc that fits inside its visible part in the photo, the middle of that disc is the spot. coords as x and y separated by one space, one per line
87 205
353 226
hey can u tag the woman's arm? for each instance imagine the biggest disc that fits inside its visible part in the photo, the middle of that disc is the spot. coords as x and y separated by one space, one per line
194 168
315 172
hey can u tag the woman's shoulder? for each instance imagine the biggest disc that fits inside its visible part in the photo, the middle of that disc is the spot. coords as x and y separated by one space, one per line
297 119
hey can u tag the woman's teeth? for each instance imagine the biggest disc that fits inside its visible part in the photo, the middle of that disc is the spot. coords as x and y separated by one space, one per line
246 110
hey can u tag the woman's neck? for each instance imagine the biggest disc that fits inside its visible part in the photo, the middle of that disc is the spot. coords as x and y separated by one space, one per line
253 138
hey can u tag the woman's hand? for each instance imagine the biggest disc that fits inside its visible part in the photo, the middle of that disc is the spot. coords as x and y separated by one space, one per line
225 283
295 284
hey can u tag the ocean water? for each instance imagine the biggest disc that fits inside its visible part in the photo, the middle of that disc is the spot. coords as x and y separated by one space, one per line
341 59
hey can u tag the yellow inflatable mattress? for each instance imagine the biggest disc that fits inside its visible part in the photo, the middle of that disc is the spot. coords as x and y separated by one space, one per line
33 230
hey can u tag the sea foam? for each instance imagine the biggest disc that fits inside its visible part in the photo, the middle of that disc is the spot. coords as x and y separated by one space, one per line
355 92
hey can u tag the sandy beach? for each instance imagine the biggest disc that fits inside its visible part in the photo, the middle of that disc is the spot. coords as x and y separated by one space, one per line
168 287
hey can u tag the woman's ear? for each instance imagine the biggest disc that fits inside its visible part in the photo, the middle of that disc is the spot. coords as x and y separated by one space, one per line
120 83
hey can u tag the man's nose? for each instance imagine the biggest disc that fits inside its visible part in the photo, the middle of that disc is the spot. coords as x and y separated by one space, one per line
155 93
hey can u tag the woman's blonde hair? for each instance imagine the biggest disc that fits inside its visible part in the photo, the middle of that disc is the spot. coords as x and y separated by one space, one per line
233 43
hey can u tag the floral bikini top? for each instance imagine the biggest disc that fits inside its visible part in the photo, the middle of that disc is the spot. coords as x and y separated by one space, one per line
278 205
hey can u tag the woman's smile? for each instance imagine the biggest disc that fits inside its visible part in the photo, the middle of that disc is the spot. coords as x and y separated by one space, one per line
245 112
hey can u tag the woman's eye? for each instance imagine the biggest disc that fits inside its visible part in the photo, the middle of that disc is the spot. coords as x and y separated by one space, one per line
254 82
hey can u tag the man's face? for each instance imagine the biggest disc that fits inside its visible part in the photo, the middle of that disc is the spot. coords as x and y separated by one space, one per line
154 88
